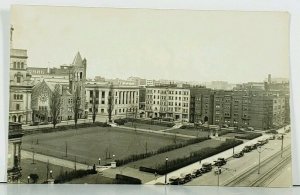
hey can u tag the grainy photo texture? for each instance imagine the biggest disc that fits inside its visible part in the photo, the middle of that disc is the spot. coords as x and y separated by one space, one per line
144 96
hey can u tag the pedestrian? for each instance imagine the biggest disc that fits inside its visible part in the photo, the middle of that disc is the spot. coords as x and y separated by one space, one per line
155 175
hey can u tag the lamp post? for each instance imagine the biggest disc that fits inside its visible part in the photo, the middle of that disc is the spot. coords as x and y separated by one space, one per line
28 178
281 145
166 169
51 174
259 149
99 161
113 157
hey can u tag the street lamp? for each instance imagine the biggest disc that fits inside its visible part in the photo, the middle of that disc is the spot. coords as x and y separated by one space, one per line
50 174
99 161
113 157
166 169
28 178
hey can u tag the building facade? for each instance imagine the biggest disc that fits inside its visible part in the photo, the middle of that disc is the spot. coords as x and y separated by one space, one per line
123 101
20 88
168 102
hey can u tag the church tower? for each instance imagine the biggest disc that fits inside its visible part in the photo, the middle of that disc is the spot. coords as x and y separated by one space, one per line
77 79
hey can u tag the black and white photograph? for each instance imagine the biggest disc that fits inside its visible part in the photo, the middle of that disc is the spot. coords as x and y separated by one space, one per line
149 96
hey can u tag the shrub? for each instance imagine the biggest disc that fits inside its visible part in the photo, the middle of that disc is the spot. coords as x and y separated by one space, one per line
34 177
192 158
68 176
120 121
163 149
123 179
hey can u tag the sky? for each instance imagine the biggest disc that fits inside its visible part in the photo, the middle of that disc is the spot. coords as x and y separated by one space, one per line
182 45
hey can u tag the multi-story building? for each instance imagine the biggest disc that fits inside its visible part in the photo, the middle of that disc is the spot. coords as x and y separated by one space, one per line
123 101
20 87
201 105
168 101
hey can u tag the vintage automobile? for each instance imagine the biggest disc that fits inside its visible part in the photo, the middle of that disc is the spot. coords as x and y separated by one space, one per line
238 155
206 167
196 173
220 162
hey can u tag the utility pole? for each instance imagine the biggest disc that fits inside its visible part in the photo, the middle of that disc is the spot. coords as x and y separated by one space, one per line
281 145
66 149
47 170
75 163
146 148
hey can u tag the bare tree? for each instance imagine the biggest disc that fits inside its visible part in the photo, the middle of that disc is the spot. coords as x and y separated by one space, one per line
77 103
95 105
110 102
55 105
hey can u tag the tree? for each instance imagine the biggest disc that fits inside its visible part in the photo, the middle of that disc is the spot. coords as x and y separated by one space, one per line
34 177
55 105
77 103
110 102
95 105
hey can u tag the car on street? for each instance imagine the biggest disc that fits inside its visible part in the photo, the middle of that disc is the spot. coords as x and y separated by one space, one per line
206 167
185 177
250 128
238 155
247 149
220 162
196 173
175 180
272 137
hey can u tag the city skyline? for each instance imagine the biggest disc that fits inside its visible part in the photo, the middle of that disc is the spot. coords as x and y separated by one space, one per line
127 47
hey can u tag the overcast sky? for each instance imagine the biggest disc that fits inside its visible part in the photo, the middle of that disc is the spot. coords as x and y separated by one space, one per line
160 44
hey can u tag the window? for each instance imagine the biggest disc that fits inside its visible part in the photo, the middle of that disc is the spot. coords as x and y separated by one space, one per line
91 94
18 79
17 106
80 75
103 94
102 110
22 65
15 65
103 102
18 65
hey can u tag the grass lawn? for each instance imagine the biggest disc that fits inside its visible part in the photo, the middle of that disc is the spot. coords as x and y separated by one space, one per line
39 168
153 161
145 126
88 144
193 132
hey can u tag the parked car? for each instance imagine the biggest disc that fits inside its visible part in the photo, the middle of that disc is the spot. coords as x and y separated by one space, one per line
247 149
175 180
238 155
196 173
220 162
186 177
206 167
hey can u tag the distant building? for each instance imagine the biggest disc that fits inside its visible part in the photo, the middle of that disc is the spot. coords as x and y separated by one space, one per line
219 85
20 87
124 104
168 102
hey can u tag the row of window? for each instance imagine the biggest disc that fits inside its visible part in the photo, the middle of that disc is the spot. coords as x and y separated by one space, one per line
170 92
18 65
18 97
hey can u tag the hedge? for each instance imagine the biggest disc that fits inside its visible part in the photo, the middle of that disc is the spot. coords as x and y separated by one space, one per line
248 136
64 127
123 179
163 149
151 122
192 158
68 176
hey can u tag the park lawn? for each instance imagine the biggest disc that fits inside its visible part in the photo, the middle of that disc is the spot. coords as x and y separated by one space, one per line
40 168
145 126
88 144
159 159
193 132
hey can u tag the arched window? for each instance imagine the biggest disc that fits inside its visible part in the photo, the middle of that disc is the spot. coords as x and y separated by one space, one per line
15 65
14 118
20 118
18 65
22 65
80 75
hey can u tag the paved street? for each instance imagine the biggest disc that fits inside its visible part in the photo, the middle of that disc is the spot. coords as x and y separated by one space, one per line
238 164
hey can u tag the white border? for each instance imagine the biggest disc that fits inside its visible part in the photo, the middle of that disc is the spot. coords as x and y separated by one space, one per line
291 6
